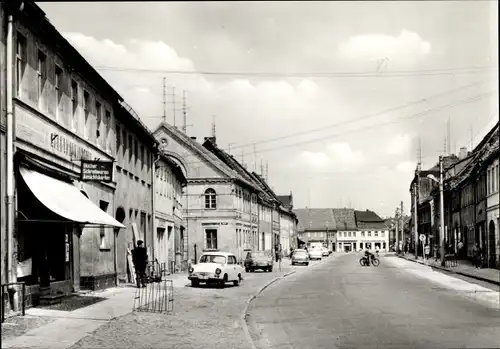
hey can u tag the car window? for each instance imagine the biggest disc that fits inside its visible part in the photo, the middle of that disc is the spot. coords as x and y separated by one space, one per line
207 258
230 260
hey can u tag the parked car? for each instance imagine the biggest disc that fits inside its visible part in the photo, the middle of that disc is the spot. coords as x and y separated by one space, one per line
258 260
326 253
300 256
315 253
217 268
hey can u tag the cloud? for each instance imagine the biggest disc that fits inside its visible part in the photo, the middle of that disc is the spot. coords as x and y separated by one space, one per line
406 167
399 145
337 157
407 46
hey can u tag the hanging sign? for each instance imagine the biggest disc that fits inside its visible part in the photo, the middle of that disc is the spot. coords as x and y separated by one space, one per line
98 171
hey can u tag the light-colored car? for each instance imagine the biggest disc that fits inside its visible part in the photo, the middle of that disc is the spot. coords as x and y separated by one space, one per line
216 267
316 253
300 256
326 253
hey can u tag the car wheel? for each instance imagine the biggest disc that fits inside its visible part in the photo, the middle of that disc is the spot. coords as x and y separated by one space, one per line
195 283
222 283
270 269
307 264
293 263
247 270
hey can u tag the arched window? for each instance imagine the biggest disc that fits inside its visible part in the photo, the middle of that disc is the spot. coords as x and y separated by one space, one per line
210 199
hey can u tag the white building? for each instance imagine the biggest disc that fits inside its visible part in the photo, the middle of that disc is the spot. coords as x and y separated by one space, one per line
372 233
492 207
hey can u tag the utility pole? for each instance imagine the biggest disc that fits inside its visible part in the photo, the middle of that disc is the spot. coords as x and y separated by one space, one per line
243 158
261 168
164 99
441 208
9 159
415 218
267 171
397 232
213 128
402 224
184 111
254 158
229 147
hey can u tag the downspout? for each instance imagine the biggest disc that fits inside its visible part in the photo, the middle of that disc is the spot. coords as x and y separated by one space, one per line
10 150
153 202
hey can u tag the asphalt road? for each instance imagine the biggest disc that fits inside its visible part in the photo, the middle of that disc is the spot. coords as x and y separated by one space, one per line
340 304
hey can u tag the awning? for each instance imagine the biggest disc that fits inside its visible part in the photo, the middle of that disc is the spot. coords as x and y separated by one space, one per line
66 200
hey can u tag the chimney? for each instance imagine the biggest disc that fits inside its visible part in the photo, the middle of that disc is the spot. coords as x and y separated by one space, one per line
211 139
463 153
193 138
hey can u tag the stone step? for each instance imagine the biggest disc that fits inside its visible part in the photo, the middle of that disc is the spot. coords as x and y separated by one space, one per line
51 299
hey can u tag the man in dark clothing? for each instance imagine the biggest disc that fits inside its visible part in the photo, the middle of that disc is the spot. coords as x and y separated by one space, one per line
140 260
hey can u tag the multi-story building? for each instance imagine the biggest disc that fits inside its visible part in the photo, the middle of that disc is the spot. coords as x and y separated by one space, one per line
64 121
245 204
213 190
169 218
493 209
288 224
315 225
372 231
347 235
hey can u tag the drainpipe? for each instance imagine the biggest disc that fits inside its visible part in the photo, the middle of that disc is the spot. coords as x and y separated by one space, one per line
153 203
10 150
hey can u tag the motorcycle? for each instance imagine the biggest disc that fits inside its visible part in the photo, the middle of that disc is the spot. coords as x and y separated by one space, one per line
364 262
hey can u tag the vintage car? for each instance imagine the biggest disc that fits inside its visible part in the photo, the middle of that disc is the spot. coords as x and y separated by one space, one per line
216 267
316 253
300 256
326 253
259 260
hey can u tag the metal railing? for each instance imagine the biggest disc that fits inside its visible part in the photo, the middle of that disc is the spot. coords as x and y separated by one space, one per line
12 304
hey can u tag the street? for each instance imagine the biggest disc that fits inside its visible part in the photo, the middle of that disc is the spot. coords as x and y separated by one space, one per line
341 305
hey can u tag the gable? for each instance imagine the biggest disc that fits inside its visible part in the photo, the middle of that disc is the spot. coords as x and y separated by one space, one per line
197 165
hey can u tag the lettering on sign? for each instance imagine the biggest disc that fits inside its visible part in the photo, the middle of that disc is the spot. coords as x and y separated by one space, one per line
65 146
215 223
100 171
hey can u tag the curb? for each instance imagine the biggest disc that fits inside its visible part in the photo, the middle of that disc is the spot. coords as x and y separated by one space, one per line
456 272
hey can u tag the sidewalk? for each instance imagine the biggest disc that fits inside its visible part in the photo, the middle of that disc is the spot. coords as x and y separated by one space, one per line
464 268
61 329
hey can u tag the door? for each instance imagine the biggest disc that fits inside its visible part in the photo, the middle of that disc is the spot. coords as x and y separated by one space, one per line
491 245
75 260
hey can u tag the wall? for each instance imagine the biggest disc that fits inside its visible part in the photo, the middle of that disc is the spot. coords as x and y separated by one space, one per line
48 126
3 227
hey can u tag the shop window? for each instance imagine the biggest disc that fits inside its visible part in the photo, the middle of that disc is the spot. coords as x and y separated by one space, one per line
211 238
103 234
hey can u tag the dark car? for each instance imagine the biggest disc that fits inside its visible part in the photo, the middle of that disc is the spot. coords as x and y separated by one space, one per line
258 260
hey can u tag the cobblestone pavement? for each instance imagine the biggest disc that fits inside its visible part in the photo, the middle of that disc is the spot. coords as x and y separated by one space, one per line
340 304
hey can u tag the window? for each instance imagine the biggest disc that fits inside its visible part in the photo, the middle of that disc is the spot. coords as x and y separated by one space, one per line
210 199
142 156
382 234
98 114
369 233
211 235
143 224
107 128
41 72
124 138
74 103
86 101
20 61
376 233
58 85
118 138
104 245
136 150
131 148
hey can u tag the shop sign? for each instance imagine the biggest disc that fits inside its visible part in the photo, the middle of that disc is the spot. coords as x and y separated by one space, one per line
216 223
99 171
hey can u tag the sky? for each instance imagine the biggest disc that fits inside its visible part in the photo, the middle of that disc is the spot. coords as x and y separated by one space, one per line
336 97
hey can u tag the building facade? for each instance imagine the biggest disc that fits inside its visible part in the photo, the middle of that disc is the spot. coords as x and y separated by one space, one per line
316 225
64 115
492 211
347 237
170 181
372 231
135 151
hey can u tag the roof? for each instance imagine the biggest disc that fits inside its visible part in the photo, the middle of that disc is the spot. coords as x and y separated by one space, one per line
231 162
369 220
286 200
344 218
315 219
269 193
203 153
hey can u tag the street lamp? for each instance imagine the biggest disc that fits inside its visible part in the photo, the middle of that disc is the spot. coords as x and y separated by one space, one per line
441 206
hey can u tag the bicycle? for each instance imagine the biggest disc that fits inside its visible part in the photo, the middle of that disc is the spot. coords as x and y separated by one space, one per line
365 263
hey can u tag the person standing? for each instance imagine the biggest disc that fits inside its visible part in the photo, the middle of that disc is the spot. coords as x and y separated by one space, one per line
140 260
476 252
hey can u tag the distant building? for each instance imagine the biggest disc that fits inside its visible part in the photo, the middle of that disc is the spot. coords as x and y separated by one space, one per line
372 231
288 223
347 231
316 225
